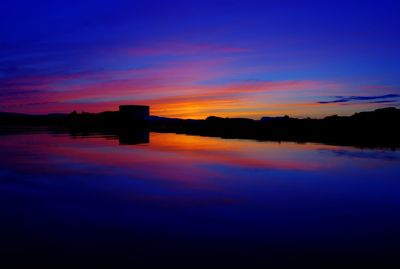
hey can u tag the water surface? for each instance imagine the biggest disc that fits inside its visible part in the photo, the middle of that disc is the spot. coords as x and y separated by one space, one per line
191 200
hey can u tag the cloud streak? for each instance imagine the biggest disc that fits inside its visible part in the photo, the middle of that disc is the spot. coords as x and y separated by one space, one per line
193 59
378 98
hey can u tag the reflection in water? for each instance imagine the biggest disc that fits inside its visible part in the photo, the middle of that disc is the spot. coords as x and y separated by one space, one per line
189 199
368 154
134 138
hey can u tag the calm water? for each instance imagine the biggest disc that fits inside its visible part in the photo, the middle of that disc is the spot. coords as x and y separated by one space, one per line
195 200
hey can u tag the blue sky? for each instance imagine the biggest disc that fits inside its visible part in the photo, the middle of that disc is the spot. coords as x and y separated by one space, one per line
192 59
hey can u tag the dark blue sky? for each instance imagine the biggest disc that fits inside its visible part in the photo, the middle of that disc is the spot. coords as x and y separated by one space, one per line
196 58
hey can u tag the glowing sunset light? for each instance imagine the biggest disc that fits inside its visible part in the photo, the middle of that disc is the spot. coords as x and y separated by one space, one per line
237 60
194 133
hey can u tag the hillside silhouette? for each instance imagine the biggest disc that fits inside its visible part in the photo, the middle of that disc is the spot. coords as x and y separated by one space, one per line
377 128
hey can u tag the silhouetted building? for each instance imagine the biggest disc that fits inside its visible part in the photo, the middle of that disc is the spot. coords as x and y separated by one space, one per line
134 112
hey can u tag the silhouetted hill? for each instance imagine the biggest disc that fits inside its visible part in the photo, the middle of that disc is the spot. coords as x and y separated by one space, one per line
374 128
8 114
7 118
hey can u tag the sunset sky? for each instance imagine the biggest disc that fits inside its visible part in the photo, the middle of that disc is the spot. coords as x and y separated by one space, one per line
192 59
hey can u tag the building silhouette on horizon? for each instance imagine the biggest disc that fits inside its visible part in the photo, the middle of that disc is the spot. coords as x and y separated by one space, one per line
134 112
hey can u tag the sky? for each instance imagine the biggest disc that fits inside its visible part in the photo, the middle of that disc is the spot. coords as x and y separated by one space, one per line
192 59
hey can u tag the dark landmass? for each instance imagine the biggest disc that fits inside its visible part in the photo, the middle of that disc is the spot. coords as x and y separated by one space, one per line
377 128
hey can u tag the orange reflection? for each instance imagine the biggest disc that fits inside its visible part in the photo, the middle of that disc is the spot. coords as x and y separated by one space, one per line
196 161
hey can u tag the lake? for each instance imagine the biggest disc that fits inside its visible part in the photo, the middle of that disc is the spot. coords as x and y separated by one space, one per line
163 198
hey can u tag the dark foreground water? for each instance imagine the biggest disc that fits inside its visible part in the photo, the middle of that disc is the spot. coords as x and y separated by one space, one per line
189 200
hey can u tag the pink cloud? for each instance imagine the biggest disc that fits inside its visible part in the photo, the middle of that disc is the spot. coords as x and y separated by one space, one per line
173 88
